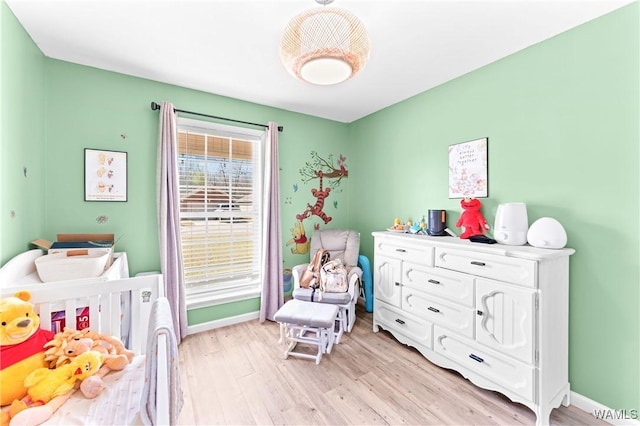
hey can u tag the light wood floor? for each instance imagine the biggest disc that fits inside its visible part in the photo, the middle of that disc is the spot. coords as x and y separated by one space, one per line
237 375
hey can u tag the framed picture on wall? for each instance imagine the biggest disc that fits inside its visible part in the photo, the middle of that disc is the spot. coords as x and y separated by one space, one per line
468 169
105 175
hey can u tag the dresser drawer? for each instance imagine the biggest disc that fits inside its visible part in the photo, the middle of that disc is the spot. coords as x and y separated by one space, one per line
450 285
507 373
409 325
450 315
503 268
405 250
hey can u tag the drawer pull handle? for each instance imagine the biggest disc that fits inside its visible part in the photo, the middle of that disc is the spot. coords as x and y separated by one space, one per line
476 358
432 309
475 262
401 250
398 284
433 281
399 321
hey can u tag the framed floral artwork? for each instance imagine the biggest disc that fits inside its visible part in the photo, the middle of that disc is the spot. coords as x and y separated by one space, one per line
105 175
468 169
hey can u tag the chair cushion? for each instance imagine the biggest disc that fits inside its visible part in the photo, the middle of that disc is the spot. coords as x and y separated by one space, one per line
306 313
327 298
342 244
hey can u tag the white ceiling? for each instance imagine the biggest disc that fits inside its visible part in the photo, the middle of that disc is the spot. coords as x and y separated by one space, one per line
230 47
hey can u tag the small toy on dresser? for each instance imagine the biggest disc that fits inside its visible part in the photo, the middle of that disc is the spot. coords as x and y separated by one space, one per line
471 218
409 227
419 228
398 226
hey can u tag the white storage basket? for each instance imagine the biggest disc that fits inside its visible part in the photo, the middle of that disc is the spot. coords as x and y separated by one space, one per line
61 267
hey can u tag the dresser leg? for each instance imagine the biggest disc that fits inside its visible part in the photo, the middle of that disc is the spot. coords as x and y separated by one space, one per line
543 411
542 415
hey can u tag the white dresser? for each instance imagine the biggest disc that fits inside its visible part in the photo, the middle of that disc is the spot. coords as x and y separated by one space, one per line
498 314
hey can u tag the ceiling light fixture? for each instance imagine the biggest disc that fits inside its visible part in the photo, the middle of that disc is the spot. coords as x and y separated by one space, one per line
325 45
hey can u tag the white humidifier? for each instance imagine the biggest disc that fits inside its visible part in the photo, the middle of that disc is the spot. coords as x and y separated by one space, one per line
511 224
547 232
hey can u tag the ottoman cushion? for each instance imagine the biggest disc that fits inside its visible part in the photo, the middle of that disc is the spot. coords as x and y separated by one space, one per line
327 298
307 313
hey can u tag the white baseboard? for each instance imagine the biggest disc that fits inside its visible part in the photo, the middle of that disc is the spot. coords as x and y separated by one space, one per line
205 326
619 417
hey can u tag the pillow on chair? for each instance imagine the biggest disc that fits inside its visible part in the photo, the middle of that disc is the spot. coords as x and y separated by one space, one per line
342 244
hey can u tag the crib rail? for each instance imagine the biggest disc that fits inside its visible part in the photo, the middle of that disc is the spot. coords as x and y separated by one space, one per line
107 305
110 304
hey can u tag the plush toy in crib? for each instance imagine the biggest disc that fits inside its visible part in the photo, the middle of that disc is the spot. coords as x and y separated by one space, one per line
471 218
68 344
21 345
48 389
115 354
64 350
44 384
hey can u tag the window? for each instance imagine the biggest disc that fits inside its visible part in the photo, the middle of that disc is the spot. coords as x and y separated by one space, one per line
221 224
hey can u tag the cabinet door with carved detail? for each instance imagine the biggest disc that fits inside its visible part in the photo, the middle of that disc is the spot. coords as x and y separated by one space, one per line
505 318
386 282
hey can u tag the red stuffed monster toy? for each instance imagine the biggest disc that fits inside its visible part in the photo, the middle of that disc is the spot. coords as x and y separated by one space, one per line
471 218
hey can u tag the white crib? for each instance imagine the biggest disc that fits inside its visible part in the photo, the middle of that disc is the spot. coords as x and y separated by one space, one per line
159 404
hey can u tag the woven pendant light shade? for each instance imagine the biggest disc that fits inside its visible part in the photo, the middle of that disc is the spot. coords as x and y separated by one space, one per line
325 45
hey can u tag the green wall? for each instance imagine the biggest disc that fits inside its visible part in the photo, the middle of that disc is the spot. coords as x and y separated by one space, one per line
22 138
204 315
92 108
562 119
562 122
53 110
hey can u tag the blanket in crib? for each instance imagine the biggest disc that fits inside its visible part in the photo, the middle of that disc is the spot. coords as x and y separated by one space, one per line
117 404
125 400
161 324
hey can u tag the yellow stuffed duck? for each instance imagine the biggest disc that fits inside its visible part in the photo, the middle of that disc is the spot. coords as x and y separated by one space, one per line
44 384
21 345
48 389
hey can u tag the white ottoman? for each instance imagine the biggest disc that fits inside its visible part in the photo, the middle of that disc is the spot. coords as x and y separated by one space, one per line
341 300
307 322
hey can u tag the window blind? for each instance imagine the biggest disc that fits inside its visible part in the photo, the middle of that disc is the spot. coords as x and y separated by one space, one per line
220 208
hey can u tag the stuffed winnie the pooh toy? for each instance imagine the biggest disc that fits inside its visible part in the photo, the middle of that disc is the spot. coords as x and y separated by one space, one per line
21 345
471 218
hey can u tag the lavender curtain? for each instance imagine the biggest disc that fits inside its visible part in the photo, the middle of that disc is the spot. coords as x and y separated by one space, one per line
272 296
168 198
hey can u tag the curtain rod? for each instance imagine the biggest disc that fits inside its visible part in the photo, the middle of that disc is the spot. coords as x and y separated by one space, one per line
156 107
